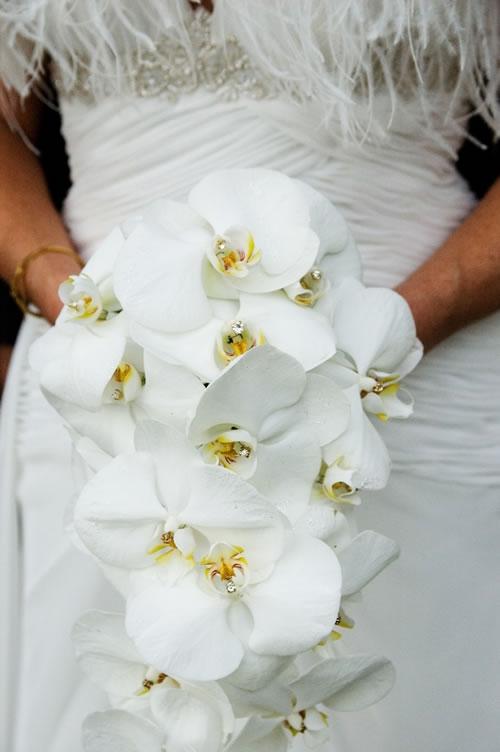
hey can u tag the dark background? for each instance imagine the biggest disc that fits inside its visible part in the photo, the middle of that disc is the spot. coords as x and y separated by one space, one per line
479 166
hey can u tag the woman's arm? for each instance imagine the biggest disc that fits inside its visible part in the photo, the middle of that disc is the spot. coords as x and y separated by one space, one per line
28 218
461 281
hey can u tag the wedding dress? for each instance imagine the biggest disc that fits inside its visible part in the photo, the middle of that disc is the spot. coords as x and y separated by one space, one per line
140 125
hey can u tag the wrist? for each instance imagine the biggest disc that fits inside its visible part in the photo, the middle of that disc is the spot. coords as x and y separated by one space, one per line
43 273
434 300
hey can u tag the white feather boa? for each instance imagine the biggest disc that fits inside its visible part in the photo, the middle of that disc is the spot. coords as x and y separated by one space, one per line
337 52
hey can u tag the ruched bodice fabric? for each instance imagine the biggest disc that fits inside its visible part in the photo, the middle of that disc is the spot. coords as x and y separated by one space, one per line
402 199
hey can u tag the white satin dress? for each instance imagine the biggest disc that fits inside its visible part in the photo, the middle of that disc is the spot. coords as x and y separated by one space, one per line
435 612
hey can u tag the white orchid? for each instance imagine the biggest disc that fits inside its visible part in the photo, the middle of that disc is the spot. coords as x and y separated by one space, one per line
191 716
94 374
377 347
265 419
102 384
337 256
213 551
188 274
361 559
238 326
275 602
301 709
89 297
150 499
356 460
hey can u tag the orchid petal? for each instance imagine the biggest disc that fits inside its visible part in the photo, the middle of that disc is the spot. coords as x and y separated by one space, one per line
411 361
76 363
106 653
193 350
270 206
301 332
170 392
111 428
260 735
364 558
374 326
101 264
119 731
351 683
173 457
336 244
189 722
183 630
388 404
117 513
255 671
227 509
271 699
319 520
254 386
178 219
158 279
297 605
360 448
326 406
286 469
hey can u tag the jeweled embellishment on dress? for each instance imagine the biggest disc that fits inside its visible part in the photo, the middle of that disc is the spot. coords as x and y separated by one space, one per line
173 69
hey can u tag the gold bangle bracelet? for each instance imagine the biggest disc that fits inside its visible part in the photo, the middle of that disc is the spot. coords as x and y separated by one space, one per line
18 284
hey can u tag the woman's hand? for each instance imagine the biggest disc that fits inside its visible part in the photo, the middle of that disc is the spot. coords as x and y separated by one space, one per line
42 280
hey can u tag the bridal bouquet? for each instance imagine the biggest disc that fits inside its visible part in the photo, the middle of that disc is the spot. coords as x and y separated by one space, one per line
221 370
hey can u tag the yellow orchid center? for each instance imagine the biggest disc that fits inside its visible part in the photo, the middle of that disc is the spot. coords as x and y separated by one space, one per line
335 482
124 384
380 386
311 720
236 339
164 548
229 452
152 679
232 449
84 307
234 253
310 288
225 568
81 297
344 622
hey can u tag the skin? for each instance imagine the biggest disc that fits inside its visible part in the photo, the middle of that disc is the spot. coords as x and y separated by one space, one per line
458 284
28 218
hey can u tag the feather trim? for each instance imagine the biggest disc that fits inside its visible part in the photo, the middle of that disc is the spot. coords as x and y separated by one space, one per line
335 52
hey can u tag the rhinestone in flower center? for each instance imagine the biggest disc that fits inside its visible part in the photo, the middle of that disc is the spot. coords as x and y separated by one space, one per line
225 568
234 253
235 339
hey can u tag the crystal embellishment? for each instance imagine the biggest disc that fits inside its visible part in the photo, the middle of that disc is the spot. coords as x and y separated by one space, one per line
174 68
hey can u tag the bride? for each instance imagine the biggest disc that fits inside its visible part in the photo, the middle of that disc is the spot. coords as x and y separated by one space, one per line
367 102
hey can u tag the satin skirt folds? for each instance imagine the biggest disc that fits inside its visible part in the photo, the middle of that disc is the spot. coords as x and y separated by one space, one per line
46 582
435 611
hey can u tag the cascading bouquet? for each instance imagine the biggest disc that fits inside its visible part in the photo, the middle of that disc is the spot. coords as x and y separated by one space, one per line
219 365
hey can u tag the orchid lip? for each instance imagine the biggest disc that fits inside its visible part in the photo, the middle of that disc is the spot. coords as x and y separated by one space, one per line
235 339
233 449
225 568
234 253
310 288
124 385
